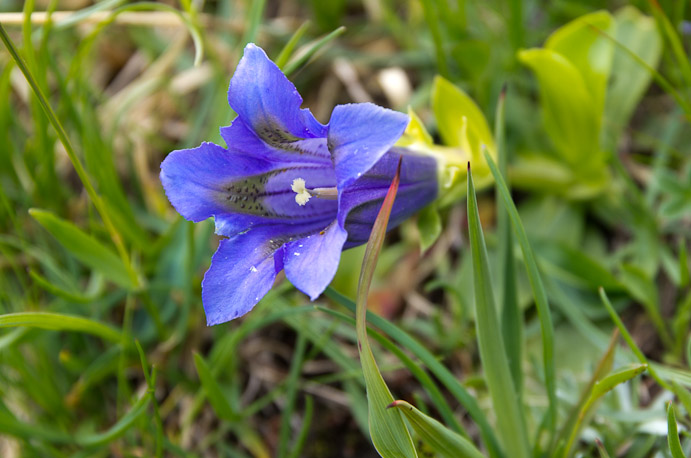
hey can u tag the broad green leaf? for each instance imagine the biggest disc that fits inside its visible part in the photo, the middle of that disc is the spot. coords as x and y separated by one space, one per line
581 42
444 441
629 79
429 226
569 111
213 392
389 433
60 322
510 420
601 388
673 434
451 105
84 247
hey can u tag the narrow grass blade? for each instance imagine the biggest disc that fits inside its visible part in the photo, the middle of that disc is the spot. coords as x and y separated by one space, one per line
213 392
84 247
71 153
254 18
304 430
541 303
601 388
432 363
444 441
291 393
319 44
288 49
601 449
511 316
433 23
72 296
629 340
673 434
60 322
119 428
511 424
675 42
387 429
425 380
604 366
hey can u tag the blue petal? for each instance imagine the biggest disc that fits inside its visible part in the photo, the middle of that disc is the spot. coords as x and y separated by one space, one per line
311 263
242 139
242 271
267 102
361 201
359 135
193 178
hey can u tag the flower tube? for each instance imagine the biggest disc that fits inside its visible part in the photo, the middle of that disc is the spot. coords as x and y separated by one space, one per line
288 192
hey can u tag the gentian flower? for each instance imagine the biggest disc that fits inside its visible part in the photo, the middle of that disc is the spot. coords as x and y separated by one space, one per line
288 192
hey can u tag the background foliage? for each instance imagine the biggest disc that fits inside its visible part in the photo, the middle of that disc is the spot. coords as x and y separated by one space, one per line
105 351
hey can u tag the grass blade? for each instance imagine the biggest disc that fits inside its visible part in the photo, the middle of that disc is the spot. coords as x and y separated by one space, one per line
511 423
213 392
673 434
304 57
511 316
541 303
431 362
387 429
60 322
84 247
444 441
601 388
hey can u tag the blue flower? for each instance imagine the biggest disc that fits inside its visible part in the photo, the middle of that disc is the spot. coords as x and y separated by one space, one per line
288 192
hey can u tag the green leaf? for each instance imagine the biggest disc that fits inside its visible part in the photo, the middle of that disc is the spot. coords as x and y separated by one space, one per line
450 105
387 429
60 322
429 226
431 362
574 422
511 423
311 50
581 42
213 392
541 302
673 434
84 247
119 428
444 441
569 110
601 388
638 34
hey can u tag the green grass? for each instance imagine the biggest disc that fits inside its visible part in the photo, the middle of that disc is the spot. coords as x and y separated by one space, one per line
498 332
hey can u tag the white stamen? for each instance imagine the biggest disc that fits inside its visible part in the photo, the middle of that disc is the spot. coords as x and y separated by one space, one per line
302 195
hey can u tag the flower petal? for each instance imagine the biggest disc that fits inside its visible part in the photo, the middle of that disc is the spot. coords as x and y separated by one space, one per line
360 202
241 139
242 271
359 135
193 178
311 262
267 102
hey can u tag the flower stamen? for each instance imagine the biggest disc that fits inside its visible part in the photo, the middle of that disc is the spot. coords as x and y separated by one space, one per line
303 195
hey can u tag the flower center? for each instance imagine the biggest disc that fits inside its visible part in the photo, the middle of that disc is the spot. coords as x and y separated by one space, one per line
303 195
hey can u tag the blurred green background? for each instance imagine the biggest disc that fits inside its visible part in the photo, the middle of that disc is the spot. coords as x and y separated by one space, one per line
597 141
